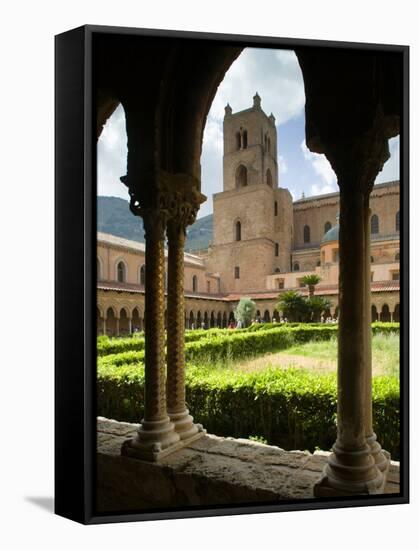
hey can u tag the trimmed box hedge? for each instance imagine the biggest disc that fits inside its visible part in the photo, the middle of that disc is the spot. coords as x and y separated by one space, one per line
108 346
291 408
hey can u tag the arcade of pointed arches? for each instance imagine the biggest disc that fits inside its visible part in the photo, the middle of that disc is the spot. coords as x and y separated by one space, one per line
119 315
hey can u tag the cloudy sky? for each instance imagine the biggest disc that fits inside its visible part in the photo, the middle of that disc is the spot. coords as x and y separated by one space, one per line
276 76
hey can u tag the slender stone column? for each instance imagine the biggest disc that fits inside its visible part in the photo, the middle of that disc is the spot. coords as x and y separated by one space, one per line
176 405
129 325
104 326
351 468
156 434
382 458
117 326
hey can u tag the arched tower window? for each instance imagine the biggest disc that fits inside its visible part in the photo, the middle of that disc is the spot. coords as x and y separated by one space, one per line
238 231
142 275
276 249
244 139
306 234
241 176
195 283
238 141
276 208
296 267
375 224
398 221
327 227
121 272
269 177
237 272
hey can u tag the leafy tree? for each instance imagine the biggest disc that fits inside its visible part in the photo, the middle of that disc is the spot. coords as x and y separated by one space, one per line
293 306
245 311
311 281
317 305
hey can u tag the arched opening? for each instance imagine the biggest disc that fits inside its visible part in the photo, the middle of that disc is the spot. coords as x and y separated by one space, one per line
244 139
306 234
396 314
137 324
241 176
266 316
206 324
327 227
276 249
110 322
238 141
212 320
141 278
276 208
296 266
275 316
121 272
398 221
269 180
375 224
192 321
99 322
374 313
385 316
258 316
238 231
231 318
124 327
195 283
224 320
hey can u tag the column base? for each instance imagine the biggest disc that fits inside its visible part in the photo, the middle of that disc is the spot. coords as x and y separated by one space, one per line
350 473
154 444
184 425
382 458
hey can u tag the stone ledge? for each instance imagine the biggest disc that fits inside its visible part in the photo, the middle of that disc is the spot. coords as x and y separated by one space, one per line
211 471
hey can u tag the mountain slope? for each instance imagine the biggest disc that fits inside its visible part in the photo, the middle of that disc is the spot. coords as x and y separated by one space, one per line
115 217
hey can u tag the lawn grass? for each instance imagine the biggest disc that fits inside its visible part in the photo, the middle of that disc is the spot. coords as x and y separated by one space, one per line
318 356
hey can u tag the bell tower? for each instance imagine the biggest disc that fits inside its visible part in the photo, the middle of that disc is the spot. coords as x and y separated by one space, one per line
250 148
245 245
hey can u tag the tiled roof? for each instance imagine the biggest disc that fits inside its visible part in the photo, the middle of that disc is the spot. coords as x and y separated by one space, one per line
106 238
321 290
139 289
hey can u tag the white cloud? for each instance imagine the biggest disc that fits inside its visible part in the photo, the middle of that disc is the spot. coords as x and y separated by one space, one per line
283 166
391 169
112 156
322 169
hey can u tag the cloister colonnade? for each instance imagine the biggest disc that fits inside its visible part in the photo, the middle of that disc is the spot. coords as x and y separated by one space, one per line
166 88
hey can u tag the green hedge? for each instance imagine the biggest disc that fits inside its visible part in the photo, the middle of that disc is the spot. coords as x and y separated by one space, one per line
236 345
108 346
292 408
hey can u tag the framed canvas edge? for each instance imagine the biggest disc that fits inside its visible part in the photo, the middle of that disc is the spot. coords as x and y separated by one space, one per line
87 218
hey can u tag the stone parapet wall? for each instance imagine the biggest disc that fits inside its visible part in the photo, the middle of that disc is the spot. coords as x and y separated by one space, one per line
211 471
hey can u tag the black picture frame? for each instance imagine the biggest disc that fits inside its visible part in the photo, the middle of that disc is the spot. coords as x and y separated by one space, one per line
75 279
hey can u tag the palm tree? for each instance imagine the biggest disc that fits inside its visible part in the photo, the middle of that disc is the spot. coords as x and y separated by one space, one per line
311 281
293 305
317 305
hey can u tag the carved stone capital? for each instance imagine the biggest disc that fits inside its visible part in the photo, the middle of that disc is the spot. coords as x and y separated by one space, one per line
169 196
